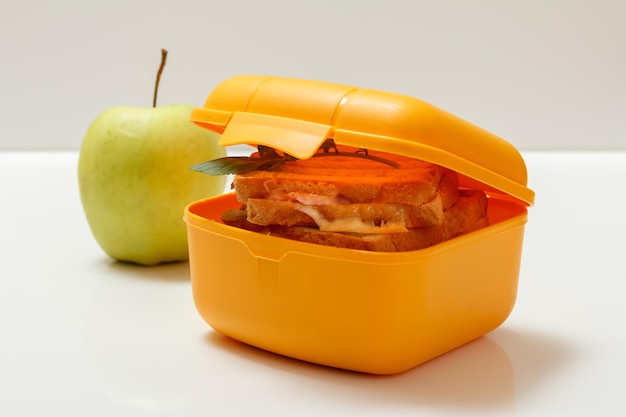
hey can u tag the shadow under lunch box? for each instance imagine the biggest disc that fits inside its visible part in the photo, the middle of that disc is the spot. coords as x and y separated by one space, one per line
373 312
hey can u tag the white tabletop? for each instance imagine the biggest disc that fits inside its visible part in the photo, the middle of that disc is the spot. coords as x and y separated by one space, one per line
82 335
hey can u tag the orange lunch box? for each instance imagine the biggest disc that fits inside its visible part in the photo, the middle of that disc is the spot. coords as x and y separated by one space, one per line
373 312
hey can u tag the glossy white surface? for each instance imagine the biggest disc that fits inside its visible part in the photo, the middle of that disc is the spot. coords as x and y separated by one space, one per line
82 335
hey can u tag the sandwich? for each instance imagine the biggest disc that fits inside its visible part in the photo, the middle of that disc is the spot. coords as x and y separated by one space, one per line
350 198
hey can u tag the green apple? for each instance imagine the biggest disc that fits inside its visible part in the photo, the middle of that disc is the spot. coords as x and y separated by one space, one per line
134 180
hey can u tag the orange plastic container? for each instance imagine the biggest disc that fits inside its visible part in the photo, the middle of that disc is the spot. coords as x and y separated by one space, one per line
371 312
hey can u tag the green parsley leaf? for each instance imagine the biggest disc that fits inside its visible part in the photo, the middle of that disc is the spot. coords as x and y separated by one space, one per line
269 159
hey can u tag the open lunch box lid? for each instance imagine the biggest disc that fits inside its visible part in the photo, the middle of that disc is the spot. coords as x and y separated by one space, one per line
297 116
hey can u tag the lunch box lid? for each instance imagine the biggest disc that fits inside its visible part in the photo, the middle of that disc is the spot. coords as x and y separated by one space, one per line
297 116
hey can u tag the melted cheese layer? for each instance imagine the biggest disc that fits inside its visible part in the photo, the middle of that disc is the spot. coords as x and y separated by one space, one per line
349 225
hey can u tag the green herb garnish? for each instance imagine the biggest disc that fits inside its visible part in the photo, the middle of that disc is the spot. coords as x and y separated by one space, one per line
269 159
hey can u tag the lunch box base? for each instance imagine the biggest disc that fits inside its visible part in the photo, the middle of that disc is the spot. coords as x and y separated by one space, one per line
372 312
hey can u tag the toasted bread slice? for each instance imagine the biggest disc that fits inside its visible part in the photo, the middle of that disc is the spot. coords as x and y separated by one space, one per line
346 180
467 215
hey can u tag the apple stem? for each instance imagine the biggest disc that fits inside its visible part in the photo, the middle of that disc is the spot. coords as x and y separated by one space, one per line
158 76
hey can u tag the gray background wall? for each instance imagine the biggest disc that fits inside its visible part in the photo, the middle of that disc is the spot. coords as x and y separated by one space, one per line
544 74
